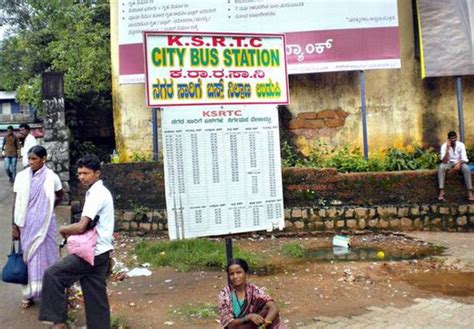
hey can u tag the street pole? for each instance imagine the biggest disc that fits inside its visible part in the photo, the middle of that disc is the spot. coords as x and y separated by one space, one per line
363 108
228 252
460 108
154 120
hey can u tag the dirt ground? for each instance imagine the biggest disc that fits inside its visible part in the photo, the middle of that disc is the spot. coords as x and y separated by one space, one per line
303 288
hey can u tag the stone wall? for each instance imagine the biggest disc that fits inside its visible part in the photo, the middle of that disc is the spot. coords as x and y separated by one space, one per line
454 217
136 185
56 137
315 199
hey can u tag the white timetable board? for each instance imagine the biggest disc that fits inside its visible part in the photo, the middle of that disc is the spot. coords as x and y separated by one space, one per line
222 170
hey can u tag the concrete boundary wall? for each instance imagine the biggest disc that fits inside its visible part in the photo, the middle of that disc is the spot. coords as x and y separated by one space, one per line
315 200
455 218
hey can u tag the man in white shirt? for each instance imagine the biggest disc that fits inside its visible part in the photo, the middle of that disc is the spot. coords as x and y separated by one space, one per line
454 157
28 143
98 202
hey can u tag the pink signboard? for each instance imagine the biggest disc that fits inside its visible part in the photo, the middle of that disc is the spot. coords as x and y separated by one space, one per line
321 35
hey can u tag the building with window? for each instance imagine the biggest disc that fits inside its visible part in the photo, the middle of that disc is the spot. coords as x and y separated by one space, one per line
13 114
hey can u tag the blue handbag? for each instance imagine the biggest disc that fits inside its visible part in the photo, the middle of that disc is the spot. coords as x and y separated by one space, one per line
15 270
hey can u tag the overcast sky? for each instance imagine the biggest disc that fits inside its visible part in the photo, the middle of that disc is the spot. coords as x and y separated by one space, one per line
1 32
2 29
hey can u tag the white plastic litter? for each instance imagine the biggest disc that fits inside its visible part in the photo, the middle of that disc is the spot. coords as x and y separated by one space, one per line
341 241
137 271
340 251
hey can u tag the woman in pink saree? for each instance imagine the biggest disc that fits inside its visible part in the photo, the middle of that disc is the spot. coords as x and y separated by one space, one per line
38 190
244 306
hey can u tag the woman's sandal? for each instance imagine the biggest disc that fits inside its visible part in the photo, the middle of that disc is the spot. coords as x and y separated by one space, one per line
26 303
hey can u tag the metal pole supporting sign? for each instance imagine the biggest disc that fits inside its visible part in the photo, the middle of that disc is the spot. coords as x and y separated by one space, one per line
154 122
228 252
363 108
460 108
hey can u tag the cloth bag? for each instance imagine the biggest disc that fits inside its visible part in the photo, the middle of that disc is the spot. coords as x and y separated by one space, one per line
83 245
15 270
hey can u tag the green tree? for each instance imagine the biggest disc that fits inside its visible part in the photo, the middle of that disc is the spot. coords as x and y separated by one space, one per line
56 35
69 36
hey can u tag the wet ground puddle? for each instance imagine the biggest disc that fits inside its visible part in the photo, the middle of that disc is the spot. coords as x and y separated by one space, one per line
362 254
369 254
459 284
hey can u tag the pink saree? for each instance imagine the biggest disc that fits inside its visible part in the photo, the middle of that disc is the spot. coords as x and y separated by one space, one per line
255 303
38 232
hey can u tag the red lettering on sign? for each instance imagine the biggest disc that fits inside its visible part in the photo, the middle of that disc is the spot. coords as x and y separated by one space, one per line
197 41
255 42
238 41
222 113
174 40
218 41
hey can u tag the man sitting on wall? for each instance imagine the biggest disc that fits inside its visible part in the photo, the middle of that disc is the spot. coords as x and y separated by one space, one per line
453 157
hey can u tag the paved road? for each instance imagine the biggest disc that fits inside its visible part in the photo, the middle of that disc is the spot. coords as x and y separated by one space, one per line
11 316
426 313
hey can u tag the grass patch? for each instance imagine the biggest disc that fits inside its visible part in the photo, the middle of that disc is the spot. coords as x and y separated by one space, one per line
116 322
293 250
186 255
197 311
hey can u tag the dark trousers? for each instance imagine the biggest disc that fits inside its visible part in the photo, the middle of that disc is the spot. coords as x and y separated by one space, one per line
62 275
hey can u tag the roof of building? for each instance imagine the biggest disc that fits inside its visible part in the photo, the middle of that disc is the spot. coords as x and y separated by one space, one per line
7 94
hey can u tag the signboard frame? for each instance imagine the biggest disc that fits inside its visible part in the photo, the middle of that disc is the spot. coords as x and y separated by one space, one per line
241 80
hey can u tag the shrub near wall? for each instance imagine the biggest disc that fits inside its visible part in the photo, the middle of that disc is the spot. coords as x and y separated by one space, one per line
304 186
315 199
322 199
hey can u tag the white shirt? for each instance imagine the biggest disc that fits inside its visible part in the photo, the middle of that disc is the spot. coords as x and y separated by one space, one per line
456 155
29 142
21 187
99 202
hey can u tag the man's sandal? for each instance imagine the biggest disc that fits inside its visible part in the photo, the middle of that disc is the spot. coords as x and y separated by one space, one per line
26 303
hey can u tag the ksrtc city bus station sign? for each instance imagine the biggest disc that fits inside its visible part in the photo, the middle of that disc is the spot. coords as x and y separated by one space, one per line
215 69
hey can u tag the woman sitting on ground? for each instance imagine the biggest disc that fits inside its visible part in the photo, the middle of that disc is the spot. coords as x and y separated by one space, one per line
243 305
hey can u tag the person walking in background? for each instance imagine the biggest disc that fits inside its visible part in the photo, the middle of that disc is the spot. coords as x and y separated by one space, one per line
37 191
10 149
28 142
454 157
243 305
72 268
